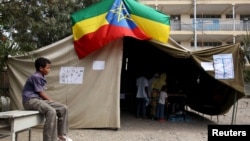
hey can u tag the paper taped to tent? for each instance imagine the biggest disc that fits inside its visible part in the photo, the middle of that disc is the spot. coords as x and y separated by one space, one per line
212 78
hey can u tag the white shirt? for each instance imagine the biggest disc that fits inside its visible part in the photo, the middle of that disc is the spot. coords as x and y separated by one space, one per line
141 83
163 96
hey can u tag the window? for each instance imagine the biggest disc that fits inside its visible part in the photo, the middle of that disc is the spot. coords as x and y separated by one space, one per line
229 16
245 17
207 16
175 17
206 44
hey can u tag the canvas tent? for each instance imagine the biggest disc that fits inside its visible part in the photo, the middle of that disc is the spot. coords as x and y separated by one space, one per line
111 70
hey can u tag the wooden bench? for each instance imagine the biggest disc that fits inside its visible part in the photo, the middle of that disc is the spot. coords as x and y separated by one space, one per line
16 121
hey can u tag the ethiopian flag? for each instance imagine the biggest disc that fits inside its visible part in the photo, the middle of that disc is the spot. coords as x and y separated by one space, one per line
154 23
97 25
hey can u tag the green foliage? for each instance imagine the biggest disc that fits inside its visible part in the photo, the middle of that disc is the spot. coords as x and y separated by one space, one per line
37 23
26 25
246 47
246 75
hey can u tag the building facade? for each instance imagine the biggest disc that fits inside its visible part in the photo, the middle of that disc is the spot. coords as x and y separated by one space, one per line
197 24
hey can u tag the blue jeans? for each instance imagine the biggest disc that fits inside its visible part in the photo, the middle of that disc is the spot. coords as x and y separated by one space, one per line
160 111
141 107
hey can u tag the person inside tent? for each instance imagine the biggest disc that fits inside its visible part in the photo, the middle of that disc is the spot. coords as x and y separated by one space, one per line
157 85
141 95
160 112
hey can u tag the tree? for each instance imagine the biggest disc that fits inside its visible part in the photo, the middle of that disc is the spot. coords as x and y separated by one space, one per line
37 23
246 46
26 25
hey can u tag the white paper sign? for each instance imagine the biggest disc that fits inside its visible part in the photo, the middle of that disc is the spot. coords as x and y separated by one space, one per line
71 75
207 66
98 65
224 67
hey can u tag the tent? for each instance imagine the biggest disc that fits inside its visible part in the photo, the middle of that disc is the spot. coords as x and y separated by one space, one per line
91 86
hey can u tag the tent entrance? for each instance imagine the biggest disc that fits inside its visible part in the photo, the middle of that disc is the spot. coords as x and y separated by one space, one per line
139 56
204 93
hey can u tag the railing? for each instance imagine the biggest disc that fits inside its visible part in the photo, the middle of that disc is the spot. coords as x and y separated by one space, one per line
177 26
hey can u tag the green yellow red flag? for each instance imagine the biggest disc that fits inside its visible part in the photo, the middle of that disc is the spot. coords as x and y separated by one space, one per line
154 23
97 25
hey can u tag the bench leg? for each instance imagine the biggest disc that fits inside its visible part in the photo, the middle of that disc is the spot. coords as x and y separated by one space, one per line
30 134
13 136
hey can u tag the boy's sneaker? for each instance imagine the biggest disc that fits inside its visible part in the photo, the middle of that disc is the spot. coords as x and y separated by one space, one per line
64 138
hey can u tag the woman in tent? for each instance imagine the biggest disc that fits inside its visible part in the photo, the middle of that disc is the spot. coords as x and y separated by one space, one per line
157 85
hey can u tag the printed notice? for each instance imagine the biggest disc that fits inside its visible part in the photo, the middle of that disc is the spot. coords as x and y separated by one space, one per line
98 65
71 75
224 67
207 66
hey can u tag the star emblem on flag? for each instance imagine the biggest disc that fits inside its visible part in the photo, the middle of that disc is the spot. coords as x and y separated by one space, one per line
118 15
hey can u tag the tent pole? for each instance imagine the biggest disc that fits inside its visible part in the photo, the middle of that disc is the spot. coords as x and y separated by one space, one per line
195 32
236 102
234 108
233 9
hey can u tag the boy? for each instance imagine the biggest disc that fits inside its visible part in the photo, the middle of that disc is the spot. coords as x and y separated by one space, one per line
34 98
161 104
